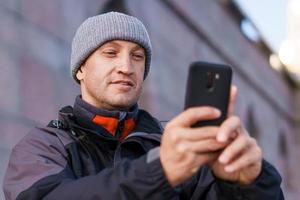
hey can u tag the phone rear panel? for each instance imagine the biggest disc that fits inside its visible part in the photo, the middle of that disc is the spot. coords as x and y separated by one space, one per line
209 85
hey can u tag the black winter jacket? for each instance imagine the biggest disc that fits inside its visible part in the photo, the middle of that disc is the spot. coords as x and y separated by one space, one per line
72 158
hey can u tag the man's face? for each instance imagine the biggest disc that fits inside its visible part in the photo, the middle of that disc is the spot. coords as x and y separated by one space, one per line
112 77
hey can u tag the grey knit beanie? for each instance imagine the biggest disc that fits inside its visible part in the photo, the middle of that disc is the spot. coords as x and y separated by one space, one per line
97 30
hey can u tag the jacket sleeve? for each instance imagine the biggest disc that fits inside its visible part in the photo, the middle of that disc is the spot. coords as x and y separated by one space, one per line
39 170
266 186
206 186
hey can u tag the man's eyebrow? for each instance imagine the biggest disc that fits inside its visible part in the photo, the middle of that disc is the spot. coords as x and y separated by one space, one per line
115 44
111 43
138 47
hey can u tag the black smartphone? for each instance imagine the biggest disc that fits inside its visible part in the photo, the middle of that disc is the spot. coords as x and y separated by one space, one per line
208 84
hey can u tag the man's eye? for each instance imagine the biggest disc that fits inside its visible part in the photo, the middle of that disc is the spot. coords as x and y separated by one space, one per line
138 56
110 53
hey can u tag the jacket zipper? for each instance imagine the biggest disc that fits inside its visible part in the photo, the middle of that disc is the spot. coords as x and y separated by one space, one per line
120 124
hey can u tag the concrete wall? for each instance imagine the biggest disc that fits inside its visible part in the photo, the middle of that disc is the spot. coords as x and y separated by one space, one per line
35 41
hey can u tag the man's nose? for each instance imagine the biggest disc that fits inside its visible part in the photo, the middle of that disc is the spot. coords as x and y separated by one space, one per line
125 64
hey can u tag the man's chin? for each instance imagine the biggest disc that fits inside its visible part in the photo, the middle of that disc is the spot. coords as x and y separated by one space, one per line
123 105
123 101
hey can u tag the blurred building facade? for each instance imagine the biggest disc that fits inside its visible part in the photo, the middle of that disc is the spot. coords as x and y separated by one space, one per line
35 38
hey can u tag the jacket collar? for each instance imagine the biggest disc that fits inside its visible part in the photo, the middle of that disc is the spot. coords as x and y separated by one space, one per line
115 123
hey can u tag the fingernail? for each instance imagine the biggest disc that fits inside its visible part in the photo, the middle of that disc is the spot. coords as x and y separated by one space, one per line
234 87
223 159
221 137
229 169
217 112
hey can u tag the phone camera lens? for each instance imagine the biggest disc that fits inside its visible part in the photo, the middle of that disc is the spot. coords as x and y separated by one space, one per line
210 80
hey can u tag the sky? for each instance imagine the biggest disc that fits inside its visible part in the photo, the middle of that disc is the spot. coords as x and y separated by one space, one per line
269 17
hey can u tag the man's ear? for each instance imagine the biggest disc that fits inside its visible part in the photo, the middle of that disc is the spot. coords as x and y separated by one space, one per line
80 73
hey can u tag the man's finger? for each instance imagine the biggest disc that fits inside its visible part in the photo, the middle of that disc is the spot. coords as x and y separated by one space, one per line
201 146
232 99
229 129
234 149
201 133
248 158
192 115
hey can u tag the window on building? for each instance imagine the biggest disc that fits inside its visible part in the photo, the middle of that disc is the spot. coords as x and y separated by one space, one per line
115 5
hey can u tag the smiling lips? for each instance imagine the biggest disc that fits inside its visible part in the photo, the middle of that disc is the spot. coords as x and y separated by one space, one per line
124 84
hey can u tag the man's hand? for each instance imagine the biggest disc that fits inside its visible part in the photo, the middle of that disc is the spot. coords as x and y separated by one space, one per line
229 150
241 160
184 149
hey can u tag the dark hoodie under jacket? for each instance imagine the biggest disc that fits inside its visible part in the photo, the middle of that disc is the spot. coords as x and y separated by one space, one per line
73 158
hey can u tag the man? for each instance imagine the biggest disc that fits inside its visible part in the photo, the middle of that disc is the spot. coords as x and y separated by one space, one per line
105 147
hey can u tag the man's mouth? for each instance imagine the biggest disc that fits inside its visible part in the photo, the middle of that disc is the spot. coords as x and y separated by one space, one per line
123 82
